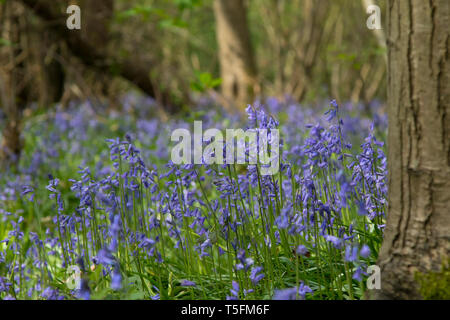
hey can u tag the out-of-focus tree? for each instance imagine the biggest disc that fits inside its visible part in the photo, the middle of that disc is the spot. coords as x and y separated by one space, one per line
317 49
237 65
295 30
29 73
96 18
304 48
11 81
112 62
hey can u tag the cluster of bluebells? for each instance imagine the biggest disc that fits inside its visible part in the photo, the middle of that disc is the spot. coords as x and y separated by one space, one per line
131 222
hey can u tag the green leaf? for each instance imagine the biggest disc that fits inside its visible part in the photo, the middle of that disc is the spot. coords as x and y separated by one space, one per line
5 43
216 82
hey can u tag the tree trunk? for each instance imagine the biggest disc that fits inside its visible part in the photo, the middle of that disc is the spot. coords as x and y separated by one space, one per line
28 73
96 17
315 13
14 86
417 233
238 70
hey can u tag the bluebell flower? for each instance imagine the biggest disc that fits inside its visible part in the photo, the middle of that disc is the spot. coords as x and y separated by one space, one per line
234 291
105 257
188 283
303 290
285 294
84 292
293 293
351 253
337 242
116 279
256 275
358 274
365 251
301 250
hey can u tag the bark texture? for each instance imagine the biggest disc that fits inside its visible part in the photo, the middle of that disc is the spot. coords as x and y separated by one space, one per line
238 70
418 223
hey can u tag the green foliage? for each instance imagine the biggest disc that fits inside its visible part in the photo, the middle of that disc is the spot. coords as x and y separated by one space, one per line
166 18
204 81
179 37
188 4
5 43
141 11
435 285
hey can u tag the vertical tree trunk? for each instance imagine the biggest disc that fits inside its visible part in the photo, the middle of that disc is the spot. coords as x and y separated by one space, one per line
238 70
14 87
96 18
418 223
95 30
315 13
28 72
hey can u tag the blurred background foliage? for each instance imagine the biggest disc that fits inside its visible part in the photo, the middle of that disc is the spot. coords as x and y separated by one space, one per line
177 51
306 49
